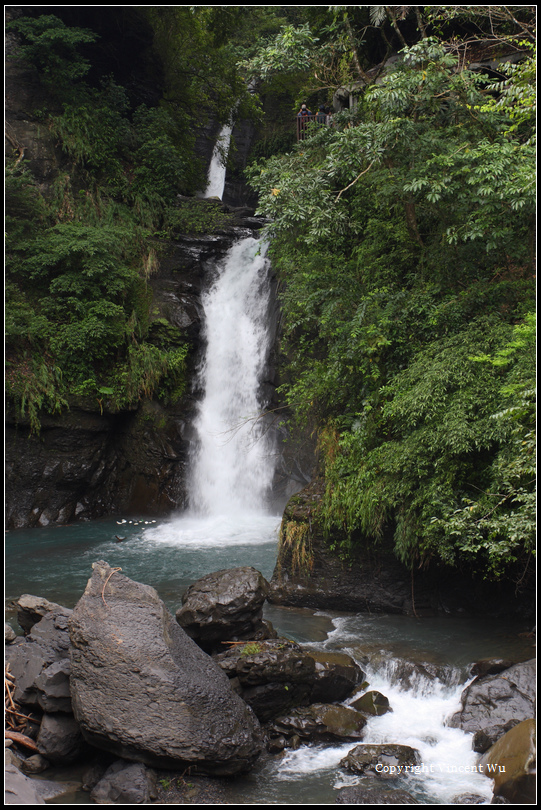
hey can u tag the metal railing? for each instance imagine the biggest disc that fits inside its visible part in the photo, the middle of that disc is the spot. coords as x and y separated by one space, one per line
305 123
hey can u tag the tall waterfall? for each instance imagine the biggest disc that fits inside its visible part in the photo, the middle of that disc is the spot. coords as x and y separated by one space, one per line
233 463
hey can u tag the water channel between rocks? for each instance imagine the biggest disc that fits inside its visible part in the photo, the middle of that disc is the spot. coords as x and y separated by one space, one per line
170 555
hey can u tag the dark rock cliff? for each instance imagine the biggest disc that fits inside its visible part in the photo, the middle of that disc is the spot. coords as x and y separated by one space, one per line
89 461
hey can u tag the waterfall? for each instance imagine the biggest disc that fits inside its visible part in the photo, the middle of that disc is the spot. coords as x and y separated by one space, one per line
217 168
233 463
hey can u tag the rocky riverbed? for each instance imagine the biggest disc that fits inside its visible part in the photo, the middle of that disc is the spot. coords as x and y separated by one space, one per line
119 687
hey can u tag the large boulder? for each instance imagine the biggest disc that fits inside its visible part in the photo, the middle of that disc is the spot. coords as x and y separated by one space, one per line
40 664
494 700
142 689
511 763
272 676
277 675
224 606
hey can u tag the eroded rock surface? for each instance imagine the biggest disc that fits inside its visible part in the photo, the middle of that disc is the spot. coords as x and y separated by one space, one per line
224 606
492 701
142 689
277 675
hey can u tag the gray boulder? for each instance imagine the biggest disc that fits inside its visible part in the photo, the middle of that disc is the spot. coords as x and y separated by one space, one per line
125 783
224 606
142 689
277 675
373 703
489 703
31 610
337 675
386 759
60 739
321 722
39 663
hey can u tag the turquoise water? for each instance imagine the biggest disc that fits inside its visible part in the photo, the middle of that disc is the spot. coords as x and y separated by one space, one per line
171 554
56 563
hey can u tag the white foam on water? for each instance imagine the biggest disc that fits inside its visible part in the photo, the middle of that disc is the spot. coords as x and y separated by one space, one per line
220 531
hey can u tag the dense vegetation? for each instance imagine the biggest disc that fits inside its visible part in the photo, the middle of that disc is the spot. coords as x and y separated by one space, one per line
403 234
123 96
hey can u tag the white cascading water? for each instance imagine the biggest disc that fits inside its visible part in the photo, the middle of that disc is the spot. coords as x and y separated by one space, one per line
217 168
420 707
233 466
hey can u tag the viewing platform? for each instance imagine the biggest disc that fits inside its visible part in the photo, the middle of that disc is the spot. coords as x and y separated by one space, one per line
305 123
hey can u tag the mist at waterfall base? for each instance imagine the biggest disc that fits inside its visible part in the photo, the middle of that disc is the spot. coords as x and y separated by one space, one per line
230 522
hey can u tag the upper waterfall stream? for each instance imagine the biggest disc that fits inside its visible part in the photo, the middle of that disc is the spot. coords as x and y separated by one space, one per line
233 456
217 168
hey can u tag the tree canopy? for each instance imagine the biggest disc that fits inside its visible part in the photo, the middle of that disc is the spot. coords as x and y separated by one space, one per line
404 234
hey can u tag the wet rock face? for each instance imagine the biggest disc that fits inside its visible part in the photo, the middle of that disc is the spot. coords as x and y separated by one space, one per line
277 675
373 703
511 762
386 760
489 703
224 606
309 573
320 722
336 676
142 689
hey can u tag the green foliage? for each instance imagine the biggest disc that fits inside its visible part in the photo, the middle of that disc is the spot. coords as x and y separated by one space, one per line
252 648
196 217
403 238
291 50
35 385
52 47
79 259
